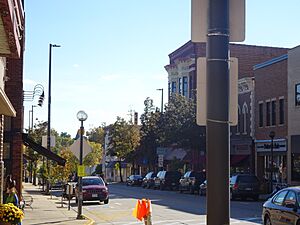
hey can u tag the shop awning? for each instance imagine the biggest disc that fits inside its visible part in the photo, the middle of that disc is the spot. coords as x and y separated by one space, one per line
6 108
43 151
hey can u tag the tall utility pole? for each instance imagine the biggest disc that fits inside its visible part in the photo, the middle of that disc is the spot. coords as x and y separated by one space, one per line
49 107
162 99
217 53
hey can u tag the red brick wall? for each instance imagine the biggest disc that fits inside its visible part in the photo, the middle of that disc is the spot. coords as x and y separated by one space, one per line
271 82
14 91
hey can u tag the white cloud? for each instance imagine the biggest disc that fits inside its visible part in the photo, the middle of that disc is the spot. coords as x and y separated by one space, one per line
75 65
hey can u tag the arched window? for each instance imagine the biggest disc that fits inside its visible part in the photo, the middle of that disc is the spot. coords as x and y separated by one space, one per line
245 113
238 127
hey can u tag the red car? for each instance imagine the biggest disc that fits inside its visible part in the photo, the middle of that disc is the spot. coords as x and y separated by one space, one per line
93 189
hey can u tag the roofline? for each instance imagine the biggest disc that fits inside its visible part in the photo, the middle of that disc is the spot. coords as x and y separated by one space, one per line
270 62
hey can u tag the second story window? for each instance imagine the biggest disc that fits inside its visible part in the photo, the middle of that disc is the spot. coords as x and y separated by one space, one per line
281 111
297 94
268 114
180 85
191 87
185 87
245 112
261 114
173 86
273 112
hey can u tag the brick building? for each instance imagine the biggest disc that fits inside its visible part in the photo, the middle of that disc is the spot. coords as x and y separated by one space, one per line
271 115
182 79
11 82
293 109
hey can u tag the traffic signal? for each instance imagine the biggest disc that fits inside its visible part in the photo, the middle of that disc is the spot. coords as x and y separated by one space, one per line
41 99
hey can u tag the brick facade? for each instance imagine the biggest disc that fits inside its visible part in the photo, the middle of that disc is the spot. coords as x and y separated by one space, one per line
13 134
248 56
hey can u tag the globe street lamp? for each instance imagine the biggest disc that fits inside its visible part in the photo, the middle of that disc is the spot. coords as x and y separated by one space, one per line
272 135
81 116
49 106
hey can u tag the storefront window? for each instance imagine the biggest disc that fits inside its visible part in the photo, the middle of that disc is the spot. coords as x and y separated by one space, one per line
296 167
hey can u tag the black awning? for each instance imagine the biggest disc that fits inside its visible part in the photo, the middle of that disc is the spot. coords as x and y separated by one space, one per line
41 150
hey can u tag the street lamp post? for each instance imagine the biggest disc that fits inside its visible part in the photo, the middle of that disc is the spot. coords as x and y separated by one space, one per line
272 135
81 116
162 99
49 107
32 116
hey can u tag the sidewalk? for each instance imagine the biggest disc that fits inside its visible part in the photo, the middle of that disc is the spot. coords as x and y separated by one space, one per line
48 211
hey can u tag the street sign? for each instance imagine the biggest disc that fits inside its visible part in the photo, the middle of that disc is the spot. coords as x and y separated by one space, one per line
160 160
52 141
161 151
81 171
236 20
201 92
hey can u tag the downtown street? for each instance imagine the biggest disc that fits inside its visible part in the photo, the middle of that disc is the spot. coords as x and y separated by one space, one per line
168 207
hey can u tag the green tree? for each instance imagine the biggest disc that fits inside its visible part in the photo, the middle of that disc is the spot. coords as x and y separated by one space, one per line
179 123
96 134
150 133
124 139
94 157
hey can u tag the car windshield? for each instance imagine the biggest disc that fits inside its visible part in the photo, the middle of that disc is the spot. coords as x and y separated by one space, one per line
92 181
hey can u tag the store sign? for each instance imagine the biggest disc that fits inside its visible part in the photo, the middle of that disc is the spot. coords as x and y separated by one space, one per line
265 146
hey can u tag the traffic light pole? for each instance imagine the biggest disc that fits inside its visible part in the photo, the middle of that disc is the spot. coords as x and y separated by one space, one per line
217 54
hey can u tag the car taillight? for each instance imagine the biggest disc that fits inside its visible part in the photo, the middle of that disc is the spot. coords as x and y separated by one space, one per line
235 186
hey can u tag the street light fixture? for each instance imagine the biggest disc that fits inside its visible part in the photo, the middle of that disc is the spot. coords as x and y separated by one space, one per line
272 135
81 116
162 99
49 107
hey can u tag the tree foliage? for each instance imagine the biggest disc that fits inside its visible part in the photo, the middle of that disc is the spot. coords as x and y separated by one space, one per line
150 132
124 139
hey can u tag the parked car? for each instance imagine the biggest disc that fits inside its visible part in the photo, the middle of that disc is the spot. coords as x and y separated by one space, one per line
148 180
283 207
134 180
93 189
167 179
203 187
190 181
243 186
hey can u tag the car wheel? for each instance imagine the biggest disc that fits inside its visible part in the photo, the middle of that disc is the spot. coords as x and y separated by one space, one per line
267 221
106 201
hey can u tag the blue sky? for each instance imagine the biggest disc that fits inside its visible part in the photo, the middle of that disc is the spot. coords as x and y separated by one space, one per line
113 52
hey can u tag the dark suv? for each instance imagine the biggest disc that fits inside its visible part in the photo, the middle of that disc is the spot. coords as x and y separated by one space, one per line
243 186
190 181
148 180
167 179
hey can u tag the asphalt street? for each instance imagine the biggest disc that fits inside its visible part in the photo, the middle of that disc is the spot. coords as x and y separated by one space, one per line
168 208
